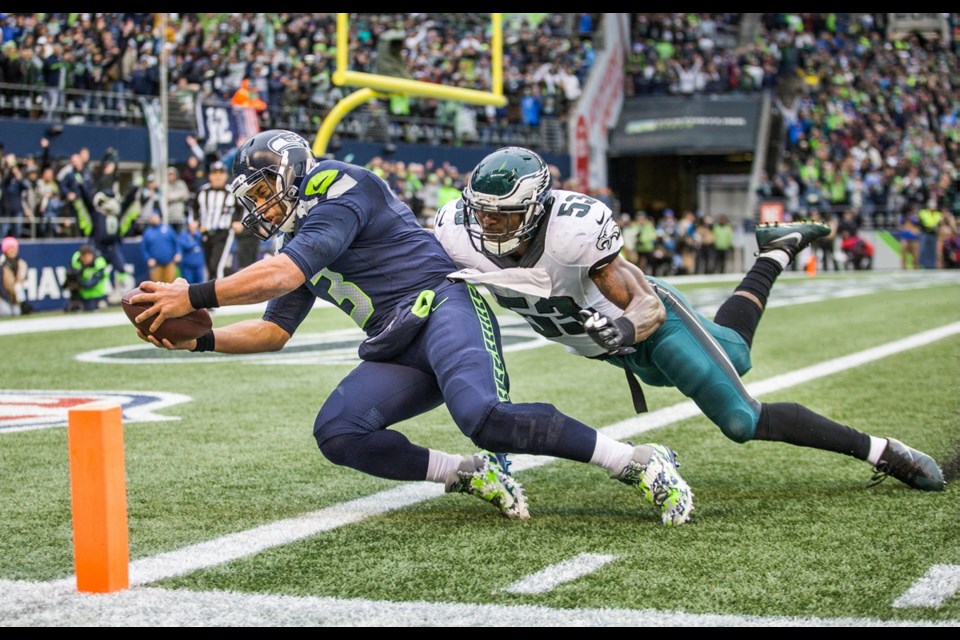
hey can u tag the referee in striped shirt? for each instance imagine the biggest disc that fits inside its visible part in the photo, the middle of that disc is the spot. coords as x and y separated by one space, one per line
217 210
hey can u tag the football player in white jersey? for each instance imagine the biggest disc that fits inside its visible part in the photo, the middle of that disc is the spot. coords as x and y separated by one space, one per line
553 256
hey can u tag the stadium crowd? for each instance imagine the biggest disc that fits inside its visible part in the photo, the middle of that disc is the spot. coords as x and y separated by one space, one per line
282 64
871 131
869 124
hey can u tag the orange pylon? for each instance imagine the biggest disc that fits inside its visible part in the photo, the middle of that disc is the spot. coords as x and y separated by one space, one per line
811 267
98 495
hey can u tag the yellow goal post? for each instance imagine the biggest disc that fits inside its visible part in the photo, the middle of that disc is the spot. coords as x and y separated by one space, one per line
374 86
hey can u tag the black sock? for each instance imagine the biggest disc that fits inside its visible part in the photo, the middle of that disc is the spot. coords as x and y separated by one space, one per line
759 280
795 424
741 313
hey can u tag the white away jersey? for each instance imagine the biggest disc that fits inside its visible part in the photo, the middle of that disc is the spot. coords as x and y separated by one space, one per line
551 282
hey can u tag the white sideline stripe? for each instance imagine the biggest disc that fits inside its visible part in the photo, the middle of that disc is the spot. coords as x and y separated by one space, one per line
890 280
246 543
937 585
560 573
27 604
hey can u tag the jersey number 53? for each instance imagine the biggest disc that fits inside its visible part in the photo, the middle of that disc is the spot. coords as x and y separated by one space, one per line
550 317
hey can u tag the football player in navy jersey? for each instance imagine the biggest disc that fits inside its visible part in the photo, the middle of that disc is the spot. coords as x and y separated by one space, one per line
349 240
553 256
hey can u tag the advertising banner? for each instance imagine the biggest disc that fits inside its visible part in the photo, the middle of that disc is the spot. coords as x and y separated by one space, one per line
687 126
49 260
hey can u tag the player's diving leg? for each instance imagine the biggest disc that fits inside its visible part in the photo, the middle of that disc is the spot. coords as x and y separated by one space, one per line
462 343
351 430
688 352
778 246
351 427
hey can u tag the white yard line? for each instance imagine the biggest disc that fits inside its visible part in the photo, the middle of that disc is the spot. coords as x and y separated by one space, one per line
246 543
26 604
556 574
938 584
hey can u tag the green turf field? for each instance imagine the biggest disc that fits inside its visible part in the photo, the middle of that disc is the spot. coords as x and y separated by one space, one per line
778 532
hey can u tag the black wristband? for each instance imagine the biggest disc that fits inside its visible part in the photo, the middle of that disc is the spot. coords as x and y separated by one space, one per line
206 342
203 295
627 330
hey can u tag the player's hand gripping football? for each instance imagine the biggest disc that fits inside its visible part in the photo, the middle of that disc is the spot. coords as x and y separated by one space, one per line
176 331
615 335
168 300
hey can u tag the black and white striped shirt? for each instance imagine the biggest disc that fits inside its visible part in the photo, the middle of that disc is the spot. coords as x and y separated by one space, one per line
216 208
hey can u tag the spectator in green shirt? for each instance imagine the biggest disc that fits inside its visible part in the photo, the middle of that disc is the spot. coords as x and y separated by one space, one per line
722 243
447 192
88 280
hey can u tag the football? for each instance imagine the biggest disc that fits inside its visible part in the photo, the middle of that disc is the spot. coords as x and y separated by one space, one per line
188 327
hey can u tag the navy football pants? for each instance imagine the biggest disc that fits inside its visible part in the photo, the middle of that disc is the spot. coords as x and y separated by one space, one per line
457 359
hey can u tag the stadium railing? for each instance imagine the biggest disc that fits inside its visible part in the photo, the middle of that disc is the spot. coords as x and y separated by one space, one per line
368 123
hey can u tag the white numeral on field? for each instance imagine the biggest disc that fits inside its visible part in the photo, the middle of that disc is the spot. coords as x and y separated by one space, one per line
557 574
939 583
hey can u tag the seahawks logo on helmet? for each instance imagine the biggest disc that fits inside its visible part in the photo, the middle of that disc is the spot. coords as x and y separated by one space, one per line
285 140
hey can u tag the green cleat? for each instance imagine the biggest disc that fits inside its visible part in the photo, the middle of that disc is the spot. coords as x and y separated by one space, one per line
659 482
484 475
909 466
791 237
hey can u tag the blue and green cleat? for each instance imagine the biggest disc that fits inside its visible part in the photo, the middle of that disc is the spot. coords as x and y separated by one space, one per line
659 482
485 475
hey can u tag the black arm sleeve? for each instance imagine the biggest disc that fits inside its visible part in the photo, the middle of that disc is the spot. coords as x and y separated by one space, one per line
600 264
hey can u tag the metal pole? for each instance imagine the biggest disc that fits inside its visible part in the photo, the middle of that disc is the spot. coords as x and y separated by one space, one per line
162 179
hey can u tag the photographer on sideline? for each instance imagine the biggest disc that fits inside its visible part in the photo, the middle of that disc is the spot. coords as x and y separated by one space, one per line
89 273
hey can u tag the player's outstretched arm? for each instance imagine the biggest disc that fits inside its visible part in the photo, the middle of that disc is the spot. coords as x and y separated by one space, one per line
246 336
624 284
261 281
264 280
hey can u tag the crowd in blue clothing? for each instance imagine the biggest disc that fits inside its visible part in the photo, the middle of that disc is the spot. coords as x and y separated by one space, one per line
870 123
161 244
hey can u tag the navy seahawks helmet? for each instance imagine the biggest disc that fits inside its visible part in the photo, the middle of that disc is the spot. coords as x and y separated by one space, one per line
269 169
513 182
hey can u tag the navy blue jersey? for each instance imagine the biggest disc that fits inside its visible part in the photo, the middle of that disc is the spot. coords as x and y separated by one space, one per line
359 247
